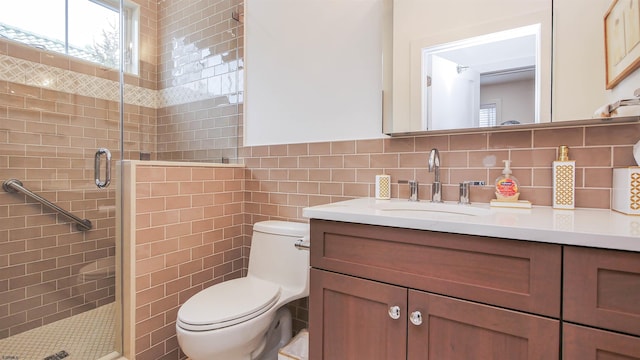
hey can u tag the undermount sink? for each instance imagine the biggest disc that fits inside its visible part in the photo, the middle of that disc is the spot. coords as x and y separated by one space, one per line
426 206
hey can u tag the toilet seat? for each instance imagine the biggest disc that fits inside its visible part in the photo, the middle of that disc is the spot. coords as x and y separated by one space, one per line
227 303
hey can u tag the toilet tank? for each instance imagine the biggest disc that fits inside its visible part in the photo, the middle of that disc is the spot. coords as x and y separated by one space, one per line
275 258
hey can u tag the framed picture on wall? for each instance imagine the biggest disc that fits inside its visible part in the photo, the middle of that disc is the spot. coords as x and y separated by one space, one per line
622 40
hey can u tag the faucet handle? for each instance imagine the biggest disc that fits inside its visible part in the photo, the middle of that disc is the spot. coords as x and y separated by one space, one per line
413 188
465 191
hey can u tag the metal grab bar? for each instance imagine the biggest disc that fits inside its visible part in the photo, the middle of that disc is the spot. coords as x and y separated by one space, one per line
14 185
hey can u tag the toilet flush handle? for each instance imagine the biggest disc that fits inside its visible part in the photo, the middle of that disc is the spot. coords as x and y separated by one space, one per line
303 244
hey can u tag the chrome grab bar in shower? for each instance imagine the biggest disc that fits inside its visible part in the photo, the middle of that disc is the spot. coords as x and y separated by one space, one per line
14 185
107 180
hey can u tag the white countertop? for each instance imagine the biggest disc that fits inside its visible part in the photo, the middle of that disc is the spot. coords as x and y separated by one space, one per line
584 227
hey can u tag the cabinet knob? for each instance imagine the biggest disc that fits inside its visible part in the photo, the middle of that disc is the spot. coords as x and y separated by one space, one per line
394 312
416 318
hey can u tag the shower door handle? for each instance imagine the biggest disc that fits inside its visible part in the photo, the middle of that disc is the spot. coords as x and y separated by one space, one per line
107 179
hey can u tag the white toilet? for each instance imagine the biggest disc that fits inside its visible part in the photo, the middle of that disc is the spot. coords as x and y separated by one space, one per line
240 319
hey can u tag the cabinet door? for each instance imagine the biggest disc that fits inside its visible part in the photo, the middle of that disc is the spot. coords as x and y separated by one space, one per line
455 329
350 318
582 343
602 288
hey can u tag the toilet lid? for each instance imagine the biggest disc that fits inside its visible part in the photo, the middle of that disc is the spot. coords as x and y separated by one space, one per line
228 303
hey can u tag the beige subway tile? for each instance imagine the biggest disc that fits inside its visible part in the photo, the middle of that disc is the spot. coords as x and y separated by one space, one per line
320 148
176 230
356 190
329 188
165 217
542 177
610 134
150 174
426 143
394 145
491 158
14 101
468 141
573 136
385 161
41 105
333 161
172 174
164 276
308 187
369 146
541 196
309 162
297 149
532 158
163 189
288 162
595 156
343 147
278 174
161 306
343 175
416 160
269 162
177 202
510 139
299 174
149 265
23 52
623 156
593 198
598 177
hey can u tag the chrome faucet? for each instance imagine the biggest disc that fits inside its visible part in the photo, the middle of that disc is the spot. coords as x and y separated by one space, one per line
434 166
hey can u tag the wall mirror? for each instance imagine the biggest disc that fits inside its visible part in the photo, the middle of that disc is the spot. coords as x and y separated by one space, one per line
486 80
550 38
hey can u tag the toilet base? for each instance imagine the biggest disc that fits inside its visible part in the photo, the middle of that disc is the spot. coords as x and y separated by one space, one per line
278 335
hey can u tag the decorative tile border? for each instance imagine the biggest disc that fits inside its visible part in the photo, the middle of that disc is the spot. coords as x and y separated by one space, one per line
221 85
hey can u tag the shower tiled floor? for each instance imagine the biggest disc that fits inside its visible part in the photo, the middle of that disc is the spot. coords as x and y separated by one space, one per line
86 336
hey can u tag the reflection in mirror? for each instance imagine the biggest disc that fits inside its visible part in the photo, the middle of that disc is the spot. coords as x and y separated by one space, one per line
428 24
482 81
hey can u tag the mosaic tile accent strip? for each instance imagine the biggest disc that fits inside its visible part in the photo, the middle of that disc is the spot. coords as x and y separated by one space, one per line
221 86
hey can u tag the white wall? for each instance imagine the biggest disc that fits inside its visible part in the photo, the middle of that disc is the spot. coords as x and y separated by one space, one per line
313 70
517 100
579 85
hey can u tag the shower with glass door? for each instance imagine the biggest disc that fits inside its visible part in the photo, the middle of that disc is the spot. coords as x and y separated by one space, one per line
61 73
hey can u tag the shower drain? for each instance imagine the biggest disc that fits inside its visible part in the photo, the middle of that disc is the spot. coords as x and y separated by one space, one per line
57 356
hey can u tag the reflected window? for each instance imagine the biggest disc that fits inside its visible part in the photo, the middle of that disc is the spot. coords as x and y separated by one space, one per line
85 29
488 115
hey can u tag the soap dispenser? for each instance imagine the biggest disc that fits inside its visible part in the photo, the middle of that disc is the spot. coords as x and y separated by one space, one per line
564 180
507 186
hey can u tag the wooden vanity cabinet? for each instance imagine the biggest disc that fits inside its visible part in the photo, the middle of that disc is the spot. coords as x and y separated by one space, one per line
601 305
455 296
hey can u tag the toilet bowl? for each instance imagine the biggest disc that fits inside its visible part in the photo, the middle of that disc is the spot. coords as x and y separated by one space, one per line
238 319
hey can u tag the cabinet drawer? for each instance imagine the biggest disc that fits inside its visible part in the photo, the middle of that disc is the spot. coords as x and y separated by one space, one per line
602 288
591 344
514 274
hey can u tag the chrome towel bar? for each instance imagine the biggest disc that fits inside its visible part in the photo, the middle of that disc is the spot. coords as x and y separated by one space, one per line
14 185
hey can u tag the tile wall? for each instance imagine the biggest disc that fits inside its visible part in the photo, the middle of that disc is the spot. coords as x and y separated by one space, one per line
187 233
201 71
47 141
283 179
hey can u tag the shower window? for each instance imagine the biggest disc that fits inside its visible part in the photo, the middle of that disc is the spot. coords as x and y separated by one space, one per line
85 29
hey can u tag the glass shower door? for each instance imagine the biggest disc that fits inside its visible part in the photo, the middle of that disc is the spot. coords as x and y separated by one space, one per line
58 109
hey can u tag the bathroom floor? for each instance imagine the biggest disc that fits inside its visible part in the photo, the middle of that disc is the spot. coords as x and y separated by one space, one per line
86 336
